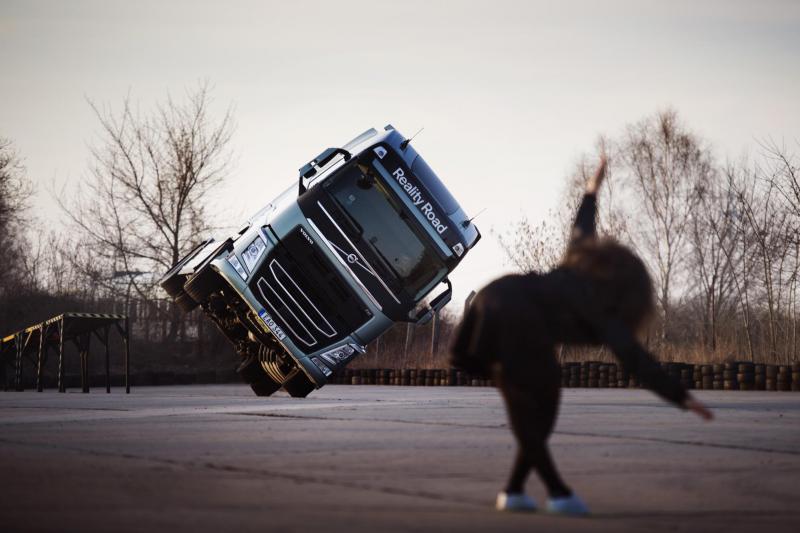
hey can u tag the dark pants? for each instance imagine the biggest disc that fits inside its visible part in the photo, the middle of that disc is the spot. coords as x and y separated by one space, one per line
508 328
531 390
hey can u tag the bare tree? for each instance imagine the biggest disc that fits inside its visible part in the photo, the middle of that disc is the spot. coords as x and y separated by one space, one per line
784 172
722 243
773 214
712 239
767 224
144 203
662 163
15 192
611 220
531 247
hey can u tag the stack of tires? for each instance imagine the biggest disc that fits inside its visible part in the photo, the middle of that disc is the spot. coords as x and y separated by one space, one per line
796 377
718 382
574 375
697 376
622 378
706 378
784 378
760 377
771 372
594 375
602 376
729 381
687 376
612 376
454 377
746 376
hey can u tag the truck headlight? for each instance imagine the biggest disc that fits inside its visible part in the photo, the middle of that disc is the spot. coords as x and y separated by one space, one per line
339 355
253 252
234 262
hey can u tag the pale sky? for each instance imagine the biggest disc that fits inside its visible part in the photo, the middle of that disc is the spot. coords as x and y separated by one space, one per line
509 93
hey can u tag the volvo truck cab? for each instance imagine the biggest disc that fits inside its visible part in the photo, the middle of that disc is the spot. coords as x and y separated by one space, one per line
366 238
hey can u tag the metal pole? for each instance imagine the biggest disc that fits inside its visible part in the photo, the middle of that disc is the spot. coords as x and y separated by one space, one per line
62 387
84 356
40 361
3 375
409 340
436 326
18 364
126 340
108 373
200 320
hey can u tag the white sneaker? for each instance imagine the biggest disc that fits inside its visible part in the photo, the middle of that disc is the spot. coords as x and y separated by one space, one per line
515 502
568 506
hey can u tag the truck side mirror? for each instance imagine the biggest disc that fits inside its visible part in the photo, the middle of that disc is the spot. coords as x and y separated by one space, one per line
443 299
424 315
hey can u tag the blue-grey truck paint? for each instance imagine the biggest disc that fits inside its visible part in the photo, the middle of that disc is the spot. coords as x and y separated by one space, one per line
259 249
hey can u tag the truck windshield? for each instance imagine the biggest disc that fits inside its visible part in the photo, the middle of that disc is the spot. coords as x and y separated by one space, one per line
391 233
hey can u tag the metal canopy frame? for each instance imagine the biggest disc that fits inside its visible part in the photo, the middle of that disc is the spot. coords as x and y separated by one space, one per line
34 342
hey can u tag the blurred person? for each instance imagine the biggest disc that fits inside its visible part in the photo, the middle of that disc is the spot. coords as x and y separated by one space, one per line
600 294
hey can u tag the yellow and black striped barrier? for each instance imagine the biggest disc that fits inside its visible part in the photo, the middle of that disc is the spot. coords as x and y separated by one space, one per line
33 344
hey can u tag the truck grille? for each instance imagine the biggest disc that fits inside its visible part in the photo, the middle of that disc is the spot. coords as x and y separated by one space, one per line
293 306
306 296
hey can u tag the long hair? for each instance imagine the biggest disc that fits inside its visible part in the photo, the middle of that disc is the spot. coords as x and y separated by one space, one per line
618 277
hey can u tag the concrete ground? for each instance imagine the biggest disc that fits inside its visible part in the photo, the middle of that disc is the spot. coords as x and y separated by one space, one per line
373 458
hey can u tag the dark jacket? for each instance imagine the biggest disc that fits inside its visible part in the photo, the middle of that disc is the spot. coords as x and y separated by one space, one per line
517 320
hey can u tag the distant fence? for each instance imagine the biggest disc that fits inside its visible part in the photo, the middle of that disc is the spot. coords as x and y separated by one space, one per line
166 339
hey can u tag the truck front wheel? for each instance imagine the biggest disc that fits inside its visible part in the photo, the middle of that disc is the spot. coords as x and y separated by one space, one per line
254 375
299 386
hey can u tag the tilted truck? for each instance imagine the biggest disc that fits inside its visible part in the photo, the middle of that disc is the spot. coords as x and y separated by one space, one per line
359 244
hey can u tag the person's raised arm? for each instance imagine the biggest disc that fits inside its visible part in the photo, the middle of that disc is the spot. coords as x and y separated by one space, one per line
593 185
585 225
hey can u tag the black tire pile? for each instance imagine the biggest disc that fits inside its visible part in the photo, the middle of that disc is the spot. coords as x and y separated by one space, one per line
743 376
409 377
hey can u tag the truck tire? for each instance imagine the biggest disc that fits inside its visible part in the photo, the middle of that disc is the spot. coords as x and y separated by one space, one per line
254 375
265 386
172 283
299 386
205 280
202 284
185 302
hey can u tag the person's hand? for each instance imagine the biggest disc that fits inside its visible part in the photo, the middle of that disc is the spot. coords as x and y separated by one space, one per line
593 185
697 407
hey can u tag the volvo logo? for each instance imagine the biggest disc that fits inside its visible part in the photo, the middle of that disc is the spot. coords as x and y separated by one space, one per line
303 232
352 258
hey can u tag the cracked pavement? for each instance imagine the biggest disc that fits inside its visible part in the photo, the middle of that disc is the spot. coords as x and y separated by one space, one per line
366 458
